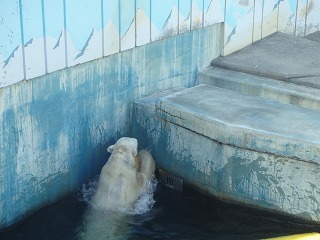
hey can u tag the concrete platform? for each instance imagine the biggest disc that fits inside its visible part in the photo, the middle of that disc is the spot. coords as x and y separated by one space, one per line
315 36
249 134
278 56
244 121
240 148
281 91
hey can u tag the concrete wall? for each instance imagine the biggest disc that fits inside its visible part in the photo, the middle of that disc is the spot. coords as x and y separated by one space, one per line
70 70
224 169
55 129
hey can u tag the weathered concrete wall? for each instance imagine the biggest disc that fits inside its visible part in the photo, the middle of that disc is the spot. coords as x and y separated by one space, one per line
55 128
245 175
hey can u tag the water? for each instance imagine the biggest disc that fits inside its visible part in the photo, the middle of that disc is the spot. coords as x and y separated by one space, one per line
160 214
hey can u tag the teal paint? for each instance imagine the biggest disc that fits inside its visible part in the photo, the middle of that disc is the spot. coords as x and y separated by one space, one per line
55 129
225 169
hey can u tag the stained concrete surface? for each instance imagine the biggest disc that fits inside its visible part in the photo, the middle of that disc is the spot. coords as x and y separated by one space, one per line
251 138
315 36
236 147
278 56
245 121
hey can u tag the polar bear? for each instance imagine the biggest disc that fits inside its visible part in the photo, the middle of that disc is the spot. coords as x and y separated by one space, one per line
123 179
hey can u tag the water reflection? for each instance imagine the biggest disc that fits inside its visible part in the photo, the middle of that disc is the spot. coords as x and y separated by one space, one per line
172 215
99 224
104 225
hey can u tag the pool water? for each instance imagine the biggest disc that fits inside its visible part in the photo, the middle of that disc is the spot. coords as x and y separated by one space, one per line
162 214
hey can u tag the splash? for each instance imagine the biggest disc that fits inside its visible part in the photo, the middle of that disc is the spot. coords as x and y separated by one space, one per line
146 201
87 190
141 206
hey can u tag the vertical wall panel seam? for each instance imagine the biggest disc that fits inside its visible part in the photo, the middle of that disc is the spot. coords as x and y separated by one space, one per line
44 38
150 21
278 15
135 23
224 26
253 19
65 31
202 25
262 18
295 24
191 20
102 26
190 16
119 17
306 18
178 17
252 29
22 41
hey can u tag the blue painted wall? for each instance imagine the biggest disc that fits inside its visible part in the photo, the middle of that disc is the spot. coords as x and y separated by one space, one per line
43 36
55 129
69 71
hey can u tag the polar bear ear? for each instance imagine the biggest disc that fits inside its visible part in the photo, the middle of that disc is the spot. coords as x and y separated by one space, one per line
134 152
110 148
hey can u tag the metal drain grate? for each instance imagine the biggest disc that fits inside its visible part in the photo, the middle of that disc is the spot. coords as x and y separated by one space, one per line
170 180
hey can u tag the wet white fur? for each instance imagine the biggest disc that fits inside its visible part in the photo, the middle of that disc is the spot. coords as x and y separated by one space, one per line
123 179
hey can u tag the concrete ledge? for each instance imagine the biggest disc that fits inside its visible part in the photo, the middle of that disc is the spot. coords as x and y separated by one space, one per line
263 87
245 121
198 134
278 56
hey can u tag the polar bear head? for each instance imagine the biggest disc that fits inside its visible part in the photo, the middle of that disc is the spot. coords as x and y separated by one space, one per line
129 143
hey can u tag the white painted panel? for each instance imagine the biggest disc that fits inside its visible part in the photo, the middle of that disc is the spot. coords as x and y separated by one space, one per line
197 14
34 50
301 18
84 34
55 34
164 18
127 24
257 21
213 11
270 17
238 25
287 16
143 22
111 27
313 17
184 16
11 58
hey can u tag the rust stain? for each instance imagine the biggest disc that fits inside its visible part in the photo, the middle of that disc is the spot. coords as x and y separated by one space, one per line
307 9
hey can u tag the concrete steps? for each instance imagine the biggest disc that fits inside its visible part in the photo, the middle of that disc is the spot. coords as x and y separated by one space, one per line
249 136
279 56
263 87
244 121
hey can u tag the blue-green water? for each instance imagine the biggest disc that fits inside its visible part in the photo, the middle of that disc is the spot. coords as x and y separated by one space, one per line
165 215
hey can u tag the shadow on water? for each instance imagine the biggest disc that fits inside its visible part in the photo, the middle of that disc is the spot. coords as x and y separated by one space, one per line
173 215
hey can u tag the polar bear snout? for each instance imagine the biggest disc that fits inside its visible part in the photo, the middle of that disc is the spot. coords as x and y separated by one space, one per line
124 155
120 150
